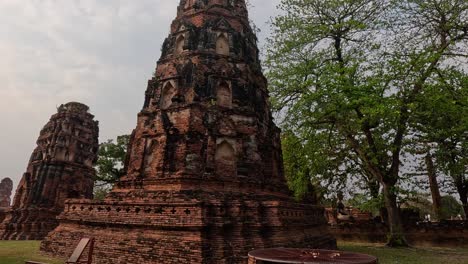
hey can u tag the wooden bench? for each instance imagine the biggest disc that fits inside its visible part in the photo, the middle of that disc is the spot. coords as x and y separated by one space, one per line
80 249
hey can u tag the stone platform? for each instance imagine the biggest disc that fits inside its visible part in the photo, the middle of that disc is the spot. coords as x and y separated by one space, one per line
187 230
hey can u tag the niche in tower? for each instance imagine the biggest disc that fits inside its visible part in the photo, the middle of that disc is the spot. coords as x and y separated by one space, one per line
224 95
222 44
148 156
180 43
225 159
168 92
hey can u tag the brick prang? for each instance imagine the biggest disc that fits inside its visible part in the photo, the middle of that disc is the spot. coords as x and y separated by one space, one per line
204 176
60 168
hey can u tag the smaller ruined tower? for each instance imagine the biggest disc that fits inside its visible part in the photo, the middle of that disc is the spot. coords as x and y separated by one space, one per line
6 186
60 167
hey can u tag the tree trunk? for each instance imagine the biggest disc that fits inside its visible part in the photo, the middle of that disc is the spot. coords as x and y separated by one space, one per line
462 188
396 237
435 192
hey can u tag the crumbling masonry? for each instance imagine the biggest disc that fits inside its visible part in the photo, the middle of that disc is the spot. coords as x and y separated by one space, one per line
204 179
60 167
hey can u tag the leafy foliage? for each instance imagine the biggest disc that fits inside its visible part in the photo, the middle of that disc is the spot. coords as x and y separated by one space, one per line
451 207
110 165
111 159
366 203
348 76
441 122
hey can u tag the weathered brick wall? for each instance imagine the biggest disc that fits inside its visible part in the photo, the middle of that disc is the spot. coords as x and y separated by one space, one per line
3 214
130 245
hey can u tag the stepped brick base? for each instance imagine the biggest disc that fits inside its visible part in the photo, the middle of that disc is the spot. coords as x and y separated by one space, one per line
187 232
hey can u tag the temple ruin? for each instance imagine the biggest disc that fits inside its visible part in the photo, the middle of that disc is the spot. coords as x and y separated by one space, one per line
60 167
6 186
205 180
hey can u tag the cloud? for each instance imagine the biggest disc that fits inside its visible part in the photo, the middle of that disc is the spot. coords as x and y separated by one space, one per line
100 53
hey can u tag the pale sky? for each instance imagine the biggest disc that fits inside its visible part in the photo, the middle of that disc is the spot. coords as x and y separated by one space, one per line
98 52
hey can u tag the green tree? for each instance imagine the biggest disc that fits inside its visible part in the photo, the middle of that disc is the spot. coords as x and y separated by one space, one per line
296 165
304 163
450 207
442 121
300 164
366 204
110 166
111 160
347 76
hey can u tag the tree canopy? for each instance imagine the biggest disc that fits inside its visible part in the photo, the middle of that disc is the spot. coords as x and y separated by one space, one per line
111 160
349 77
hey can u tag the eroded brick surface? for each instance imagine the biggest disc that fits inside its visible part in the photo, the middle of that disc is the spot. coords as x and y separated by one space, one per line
60 167
204 179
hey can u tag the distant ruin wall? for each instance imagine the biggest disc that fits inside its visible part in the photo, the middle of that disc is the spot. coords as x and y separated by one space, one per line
443 234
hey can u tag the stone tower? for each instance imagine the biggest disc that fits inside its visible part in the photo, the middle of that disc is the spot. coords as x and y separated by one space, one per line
61 167
6 186
204 179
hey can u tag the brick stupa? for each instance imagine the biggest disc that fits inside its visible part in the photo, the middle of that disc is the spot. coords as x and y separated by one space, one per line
60 167
204 179
6 186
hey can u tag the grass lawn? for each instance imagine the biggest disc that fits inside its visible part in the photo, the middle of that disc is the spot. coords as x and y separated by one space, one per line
410 255
17 252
